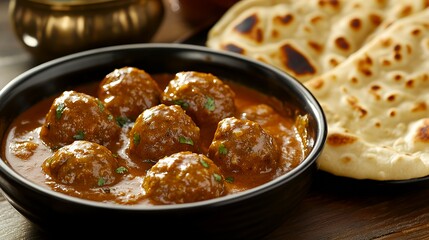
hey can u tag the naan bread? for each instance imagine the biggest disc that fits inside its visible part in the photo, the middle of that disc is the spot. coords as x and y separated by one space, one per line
377 106
305 38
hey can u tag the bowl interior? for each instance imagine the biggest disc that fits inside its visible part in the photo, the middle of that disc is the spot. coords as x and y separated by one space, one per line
262 206
64 73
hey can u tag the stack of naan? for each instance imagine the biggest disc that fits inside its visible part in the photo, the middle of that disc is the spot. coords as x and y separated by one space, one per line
366 62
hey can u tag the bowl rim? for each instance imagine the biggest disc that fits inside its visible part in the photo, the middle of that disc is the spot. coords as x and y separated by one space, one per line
309 160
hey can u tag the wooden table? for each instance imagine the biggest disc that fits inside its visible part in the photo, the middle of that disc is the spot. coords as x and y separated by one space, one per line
335 208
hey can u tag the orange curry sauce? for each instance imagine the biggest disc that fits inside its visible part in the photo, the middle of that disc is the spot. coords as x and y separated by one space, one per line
25 152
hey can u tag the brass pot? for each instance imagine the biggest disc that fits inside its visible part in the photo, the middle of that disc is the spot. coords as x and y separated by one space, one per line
53 28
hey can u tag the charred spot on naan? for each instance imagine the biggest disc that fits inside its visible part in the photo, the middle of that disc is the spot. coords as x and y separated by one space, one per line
374 90
356 24
281 21
422 134
406 11
364 65
234 48
342 44
416 32
338 139
415 82
295 61
315 46
317 83
353 102
316 19
249 28
375 19
419 107
333 62
331 3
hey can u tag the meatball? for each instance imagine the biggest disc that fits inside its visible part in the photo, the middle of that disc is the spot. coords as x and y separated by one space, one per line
182 178
267 117
128 91
78 116
204 97
284 130
83 165
242 146
161 131
260 113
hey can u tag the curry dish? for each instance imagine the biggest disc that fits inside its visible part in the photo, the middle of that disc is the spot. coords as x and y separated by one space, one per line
153 139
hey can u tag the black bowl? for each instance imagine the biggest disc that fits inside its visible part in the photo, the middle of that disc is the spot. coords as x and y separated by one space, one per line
247 215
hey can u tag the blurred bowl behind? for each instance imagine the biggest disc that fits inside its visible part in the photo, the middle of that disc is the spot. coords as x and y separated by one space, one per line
53 28
209 11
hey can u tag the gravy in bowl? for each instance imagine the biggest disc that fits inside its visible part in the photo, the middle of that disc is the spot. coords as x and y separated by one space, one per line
259 140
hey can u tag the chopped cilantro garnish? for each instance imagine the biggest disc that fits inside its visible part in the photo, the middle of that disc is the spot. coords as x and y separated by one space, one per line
100 105
101 182
222 149
121 170
181 103
80 135
217 177
229 179
136 138
186 140
121 121
210 103
204 163
59 111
